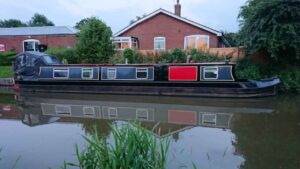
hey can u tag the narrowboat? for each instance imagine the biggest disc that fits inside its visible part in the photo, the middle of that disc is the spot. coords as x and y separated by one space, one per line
39 72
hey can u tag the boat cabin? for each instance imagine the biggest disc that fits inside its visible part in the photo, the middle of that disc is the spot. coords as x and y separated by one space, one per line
40 66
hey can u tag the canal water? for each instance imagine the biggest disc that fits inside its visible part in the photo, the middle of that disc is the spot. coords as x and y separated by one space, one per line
39 131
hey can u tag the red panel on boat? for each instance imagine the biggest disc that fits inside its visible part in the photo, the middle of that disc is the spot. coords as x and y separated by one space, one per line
182 117
183 73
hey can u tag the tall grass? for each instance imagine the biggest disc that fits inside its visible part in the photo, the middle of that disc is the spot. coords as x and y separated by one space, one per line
133 147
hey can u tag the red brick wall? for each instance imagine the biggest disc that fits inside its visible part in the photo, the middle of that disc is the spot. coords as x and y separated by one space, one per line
15 42
172 29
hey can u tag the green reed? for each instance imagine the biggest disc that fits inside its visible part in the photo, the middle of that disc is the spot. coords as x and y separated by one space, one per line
133 147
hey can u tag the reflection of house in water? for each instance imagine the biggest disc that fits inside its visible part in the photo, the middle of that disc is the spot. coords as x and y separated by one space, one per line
172 118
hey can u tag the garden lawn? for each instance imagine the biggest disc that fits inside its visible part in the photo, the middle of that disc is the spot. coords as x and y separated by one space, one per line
6 71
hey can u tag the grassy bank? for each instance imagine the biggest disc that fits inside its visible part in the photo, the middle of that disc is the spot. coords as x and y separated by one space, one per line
6 71
132 147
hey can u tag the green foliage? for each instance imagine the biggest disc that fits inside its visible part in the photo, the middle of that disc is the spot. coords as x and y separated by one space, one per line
176 56
246 69
11 23
79 25
130 55
149 57
94 43
132 147
290 78
203 56
6 71
68 54
6 58
117 59
272 26
40 20
232 38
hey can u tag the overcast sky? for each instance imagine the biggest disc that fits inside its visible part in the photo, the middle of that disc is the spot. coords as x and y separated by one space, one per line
218 14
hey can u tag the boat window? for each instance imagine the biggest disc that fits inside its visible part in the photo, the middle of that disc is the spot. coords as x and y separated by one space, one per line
60 73
88 111
63 110
142 73
111 73
142 114
87 73
112 113
209 119
210 72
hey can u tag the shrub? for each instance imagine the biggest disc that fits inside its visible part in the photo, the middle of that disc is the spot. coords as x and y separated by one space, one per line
94 43
203 56
246 69
117 59
290 79
130 55
176 56
68 54
149 57
132 147
6 58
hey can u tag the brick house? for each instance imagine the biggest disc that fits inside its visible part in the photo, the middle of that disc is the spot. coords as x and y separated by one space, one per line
27 38
163 30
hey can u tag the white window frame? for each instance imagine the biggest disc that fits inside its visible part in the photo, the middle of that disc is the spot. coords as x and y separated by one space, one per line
128 39
212 123
109 70
159 39
35 42
109 112
63 114
88 114
196 36
138 111
140 70
205 71
91 70
61 70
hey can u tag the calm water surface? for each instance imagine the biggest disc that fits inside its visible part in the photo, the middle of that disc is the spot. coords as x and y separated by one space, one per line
39 131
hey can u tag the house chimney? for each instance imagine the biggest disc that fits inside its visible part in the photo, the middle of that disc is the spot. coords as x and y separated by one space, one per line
177 9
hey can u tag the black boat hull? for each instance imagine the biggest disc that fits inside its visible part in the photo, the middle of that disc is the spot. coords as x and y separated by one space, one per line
225 90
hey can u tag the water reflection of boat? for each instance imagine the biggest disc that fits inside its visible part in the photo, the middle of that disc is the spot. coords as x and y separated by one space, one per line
171 111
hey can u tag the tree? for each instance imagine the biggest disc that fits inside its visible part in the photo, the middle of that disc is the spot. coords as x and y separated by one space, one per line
11 23
40 20
232 38
82 23
94 43
272 27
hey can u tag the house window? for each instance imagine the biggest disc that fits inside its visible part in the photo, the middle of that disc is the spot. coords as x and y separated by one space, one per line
60 73
121 43
87 73
159 43
196 42
210 72
111 73
141 73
